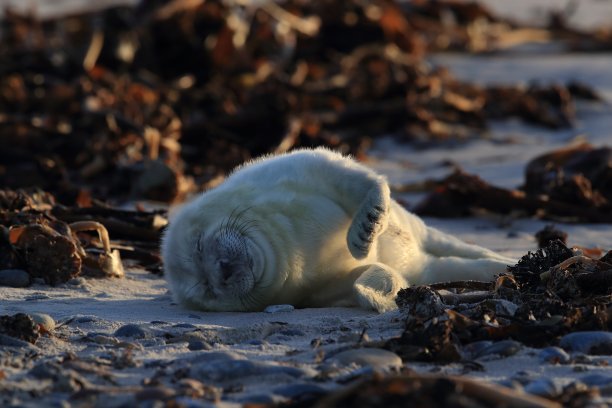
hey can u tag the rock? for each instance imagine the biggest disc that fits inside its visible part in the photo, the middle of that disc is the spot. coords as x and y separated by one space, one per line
472 350
155 393
369 357
8 341
299 390
227 370
553 355
504 348
597 380
20 326
43 320
15 278
589 342
543 387
279 308
197 345
134 331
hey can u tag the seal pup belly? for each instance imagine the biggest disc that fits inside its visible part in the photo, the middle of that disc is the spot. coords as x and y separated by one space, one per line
310 228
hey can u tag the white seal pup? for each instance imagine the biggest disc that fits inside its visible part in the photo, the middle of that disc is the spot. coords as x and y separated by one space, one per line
310 228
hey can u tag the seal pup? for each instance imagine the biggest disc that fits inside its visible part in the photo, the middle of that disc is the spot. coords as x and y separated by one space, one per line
311 228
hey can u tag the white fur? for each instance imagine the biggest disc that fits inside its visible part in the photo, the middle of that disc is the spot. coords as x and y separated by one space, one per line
316 229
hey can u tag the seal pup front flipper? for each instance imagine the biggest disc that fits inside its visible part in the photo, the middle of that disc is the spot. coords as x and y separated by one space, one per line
377 286
370 220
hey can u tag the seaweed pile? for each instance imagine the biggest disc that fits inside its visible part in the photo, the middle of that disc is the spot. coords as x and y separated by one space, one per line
139 102
572 184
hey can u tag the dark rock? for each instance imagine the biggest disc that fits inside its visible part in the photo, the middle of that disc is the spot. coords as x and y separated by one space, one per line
20 326
198 345
372 357
133 330
553 355
15 278
300 390
589 342
504 348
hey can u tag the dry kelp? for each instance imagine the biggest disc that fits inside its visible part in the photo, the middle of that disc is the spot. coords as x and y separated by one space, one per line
572 184
549 293
37 239
138 103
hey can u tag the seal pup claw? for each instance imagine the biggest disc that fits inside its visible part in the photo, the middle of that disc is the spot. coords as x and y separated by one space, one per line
310 228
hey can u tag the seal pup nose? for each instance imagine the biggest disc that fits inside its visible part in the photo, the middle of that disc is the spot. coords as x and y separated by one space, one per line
226 269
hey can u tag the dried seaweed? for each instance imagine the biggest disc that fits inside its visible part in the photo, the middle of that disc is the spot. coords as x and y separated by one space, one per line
549 293
20 326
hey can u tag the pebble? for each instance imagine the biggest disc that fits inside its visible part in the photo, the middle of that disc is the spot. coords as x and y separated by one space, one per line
543 387
134 331
197 345
279 308
43 319
370 357
553 355
597 380
155 393
79 281
589 342
504 348
226 370
9 341
299 389
15 278
473 349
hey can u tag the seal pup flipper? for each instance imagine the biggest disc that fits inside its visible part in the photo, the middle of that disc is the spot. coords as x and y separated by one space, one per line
439 244
377 286
370 220
452 268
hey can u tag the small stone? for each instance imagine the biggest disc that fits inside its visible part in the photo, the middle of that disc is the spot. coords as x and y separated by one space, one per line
597 380
14 278
9 341
155 393
184 326
589 342
300 390
279 308
369 357
543 387
134 331
197 345
227 370
77 281
553 355
43 320
504 348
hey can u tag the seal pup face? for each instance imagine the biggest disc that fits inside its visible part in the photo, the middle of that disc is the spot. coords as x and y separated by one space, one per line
214 266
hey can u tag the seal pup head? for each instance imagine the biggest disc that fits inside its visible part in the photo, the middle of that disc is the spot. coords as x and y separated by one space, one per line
214 263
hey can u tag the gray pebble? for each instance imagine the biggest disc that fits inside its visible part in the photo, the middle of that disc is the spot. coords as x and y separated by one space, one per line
15 278
225 370
183 325
504 348
590 342
9 341
43 319
553 355
197 345
471 350
543 387
299 389
134 331
371 357
279 308
79 281
597 380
